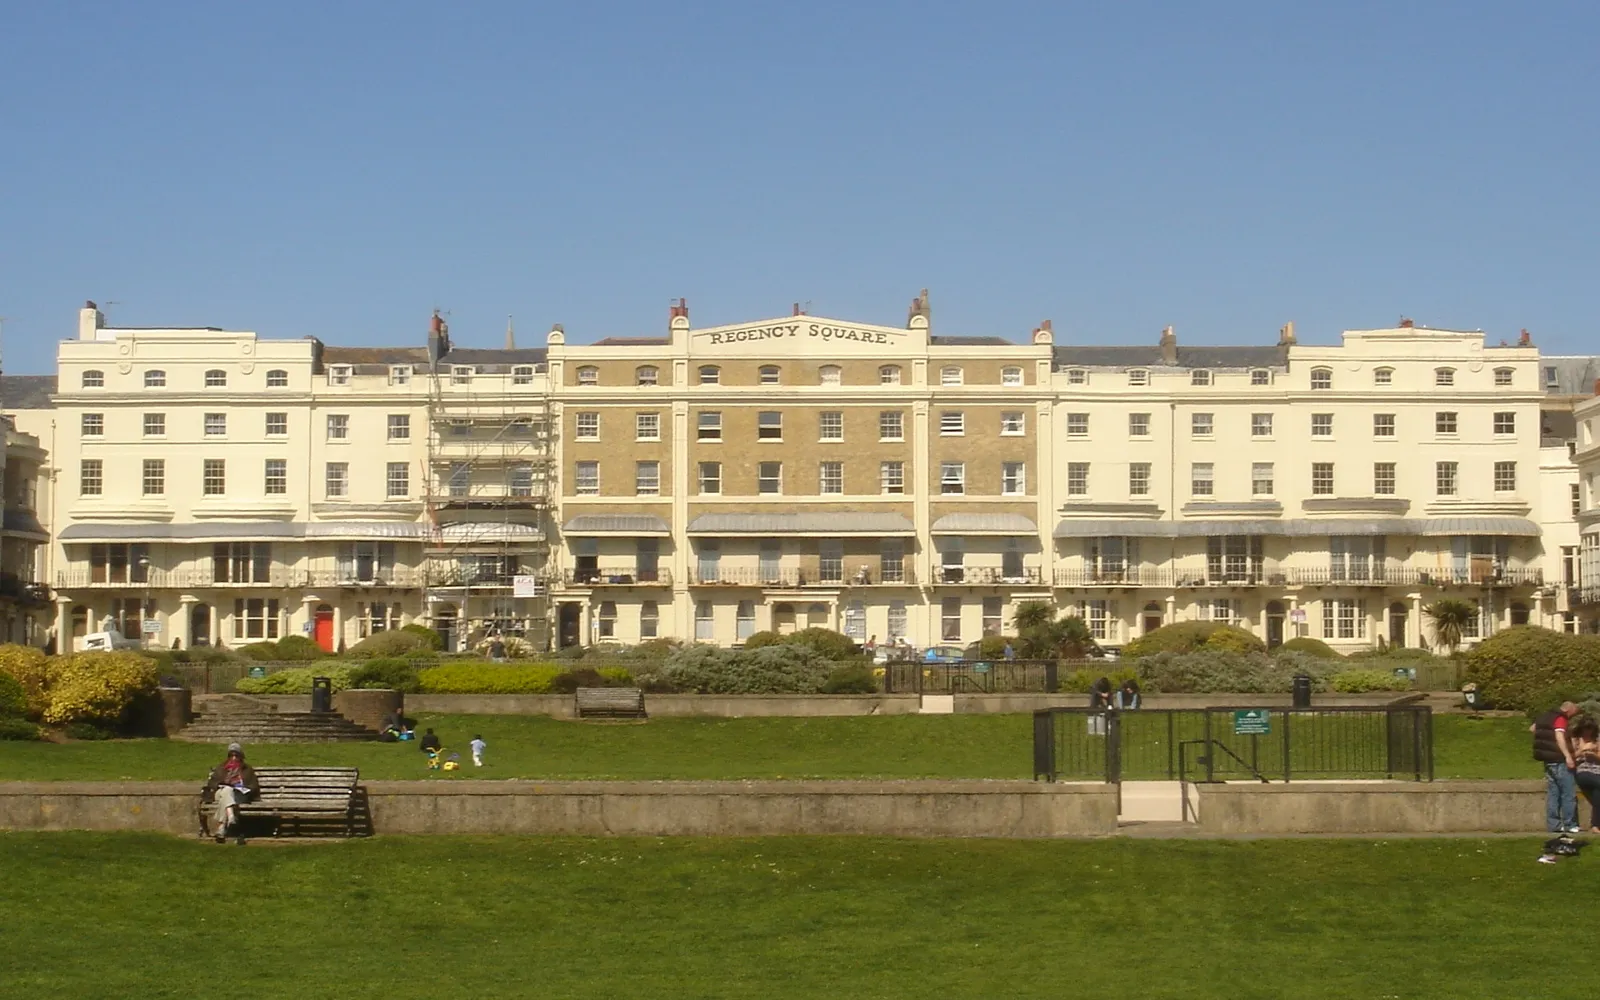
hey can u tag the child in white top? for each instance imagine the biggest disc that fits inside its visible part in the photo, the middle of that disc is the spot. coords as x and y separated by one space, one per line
478 747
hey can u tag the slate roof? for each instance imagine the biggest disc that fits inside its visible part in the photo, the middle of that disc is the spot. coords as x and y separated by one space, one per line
1574 376
971 342
1138 356
26 392
633 342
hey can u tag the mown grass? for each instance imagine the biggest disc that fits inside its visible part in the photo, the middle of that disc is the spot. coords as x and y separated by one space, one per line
950 746
101 915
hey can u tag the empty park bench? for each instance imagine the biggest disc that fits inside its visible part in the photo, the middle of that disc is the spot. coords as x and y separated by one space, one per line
300 793
610 703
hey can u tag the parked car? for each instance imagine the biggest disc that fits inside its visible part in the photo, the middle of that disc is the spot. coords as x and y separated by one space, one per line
944 654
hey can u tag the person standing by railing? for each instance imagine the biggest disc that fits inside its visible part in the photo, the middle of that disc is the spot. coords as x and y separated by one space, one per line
1552 748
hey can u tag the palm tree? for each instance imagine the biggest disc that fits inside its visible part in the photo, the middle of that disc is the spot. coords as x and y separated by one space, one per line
1031 616
1072 639
1450 618
1041 635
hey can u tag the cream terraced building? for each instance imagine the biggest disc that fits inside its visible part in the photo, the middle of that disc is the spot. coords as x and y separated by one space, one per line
887 482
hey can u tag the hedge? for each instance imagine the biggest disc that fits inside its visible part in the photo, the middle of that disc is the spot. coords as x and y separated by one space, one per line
1311 647
1190 637
487 678
789 668
1530 668
297 680
81 687
1214 672
1363 681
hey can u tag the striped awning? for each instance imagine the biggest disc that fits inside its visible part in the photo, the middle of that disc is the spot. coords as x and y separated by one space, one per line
616 524
984 524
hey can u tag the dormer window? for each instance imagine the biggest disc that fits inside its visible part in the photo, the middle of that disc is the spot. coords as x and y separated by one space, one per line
94 379
155 378
588 375
710 375
1013 376
1261 376
399 374
1322 378
1444 376
1503 376
522 375
1551 381
889 375
462 374
1383 376
830 375
1077 376
1200 377
768 375
340 374
277 378
1138 376
216 378
950 375
646 375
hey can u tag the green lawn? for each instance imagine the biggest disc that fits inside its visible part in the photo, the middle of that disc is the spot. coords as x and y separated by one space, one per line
109 915
907 746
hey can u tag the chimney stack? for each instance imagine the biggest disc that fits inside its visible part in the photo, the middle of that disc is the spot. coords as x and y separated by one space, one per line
920 307
438 338
1405 323
90 321
1286 335
679 309
1526 340
1169 347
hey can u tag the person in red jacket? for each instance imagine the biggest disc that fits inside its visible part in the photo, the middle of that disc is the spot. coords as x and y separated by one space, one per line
231 782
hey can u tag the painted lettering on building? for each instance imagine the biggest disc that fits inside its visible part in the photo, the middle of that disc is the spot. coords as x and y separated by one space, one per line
780 331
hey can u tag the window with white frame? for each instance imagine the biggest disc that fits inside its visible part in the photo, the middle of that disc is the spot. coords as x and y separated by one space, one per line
606 620
855 620
256 618
519 480
711 478
1322 479
950 619
769 477
1505 423
398 375
338 427
1260 376
708 425
892 477
769 425
830 425
952 423
831 478
1139 479
216 378
398 480
891 425
458 483
1101 617
1223 610
588 375
710 375
993 615
768 375
1200 377
1202 479
830 375
647 426
277 477
647 478
336 480
1077 425
1383 425
93 378
952 478
1012 423
1444 478
646 375
649 619
399 426
1077 479
705 625
338 374
744 620
1261 479
277 424
1383 376
1322 425
889 375
1014 478
1260 425
93 424
216 424
1013 376
522 375
1383 479
1322 378
155 425
1505 477
897 620
155 477
462 375
1444 376
213 477
1077 376
1138 425
586 479
91 477
1503 376
155 378
1445 422
1344 618
950 375
1138 376
1201 424
586 425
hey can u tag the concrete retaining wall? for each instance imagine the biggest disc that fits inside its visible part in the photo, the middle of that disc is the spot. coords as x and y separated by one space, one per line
620 808
1379 807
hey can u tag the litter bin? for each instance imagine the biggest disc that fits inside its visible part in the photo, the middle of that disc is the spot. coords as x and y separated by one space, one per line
321 694
1302 691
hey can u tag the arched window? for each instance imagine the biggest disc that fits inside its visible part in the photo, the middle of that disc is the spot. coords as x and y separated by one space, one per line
1322 378
1444 376
830 375
1013 376
768 374
94 378
1200 377
1502 376
588 375
1383 376
216 378
646 375
155 378
950 375
710 375
889 375
1138 376
277 378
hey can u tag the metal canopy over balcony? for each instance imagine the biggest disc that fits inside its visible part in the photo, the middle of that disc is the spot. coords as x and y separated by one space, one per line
845 522
241 531
616 524
1300 527
984 524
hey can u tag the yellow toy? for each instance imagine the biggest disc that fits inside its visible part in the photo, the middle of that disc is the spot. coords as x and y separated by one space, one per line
435 758
454 763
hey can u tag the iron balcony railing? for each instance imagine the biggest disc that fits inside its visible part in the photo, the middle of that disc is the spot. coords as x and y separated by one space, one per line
611 576
118 578
987 576
403 577
888 575
1229 573
1114 576
1353 575
1488 575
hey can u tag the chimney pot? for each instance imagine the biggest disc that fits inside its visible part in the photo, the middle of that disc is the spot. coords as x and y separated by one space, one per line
1406 324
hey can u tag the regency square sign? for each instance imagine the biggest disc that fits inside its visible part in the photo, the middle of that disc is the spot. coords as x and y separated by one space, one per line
799 330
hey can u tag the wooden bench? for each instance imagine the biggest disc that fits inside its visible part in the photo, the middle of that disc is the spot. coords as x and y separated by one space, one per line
299 793
610 703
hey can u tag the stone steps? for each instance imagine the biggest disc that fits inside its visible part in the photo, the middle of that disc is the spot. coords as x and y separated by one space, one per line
274 727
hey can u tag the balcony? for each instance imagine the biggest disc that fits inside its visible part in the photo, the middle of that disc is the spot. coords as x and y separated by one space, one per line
117 578
1354 575
1482 575
1229 573
790 579
609 576
1123 576
988 576
23 591
400 577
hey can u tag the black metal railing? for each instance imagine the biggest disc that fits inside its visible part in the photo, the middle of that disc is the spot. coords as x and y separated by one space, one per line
1234 743
998 676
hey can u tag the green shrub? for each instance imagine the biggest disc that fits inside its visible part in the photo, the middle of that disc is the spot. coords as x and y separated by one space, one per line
299 649
1190 637
783 669
616 677
826 643
571 680
393 642
1525 666
88 731
1079 681
433 640
757 640
487 678
389 673
1363 681
850 678
266 652
990 647
1311 647
653 649
97 687
1214 672
297 680
18 729
30 668
13 699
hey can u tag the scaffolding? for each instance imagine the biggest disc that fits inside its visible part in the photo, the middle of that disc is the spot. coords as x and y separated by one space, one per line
490 461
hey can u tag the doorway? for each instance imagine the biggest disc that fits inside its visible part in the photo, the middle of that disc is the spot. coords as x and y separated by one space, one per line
1152 617
322 627
444 623
783 619
200 625
1274 624
1398 618
568 633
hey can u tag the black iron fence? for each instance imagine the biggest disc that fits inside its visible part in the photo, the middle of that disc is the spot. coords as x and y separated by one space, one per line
1233 743
972 676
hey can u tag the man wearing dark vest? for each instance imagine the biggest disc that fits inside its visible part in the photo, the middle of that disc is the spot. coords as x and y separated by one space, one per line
1553 749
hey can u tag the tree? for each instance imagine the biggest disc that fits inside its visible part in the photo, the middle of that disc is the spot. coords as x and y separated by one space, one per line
1042 636
1031 616
1072 639
1449 618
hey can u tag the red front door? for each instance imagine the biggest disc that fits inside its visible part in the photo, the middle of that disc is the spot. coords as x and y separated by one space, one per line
324 629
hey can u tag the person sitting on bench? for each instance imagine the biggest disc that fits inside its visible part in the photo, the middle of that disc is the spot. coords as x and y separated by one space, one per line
231 782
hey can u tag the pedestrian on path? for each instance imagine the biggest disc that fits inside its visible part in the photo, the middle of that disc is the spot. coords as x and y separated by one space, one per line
1552 748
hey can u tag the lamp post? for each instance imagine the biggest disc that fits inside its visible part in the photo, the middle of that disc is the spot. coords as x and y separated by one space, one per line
144 602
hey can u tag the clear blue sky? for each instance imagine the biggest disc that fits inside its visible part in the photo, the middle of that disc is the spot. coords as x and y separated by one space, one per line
338 169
